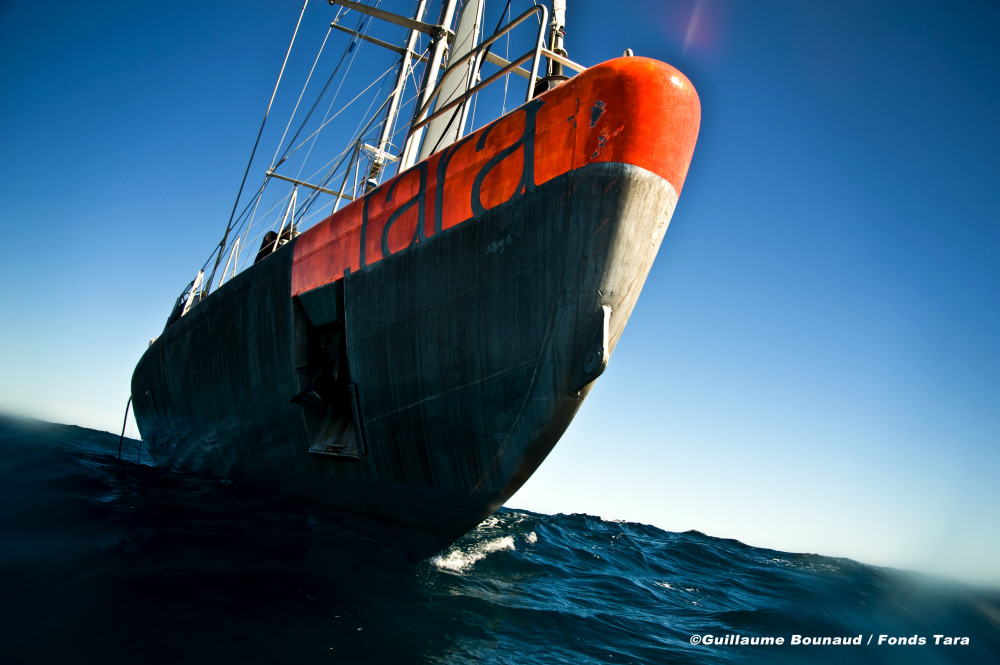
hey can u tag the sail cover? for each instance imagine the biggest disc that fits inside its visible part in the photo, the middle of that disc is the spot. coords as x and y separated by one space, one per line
447 129
559 14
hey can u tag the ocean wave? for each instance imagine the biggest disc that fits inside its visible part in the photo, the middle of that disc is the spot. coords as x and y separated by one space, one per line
119 559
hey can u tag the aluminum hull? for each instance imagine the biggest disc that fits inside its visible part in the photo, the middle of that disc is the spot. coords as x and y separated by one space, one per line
414 386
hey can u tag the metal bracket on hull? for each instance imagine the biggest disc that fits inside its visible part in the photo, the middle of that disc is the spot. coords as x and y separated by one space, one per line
595 359
339 437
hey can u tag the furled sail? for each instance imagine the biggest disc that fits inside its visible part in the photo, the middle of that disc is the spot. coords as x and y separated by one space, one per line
447 129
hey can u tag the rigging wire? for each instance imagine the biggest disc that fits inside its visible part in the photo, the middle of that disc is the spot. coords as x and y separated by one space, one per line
330 174
225 236
358 135
337 93
305 211
363 23
332 118
506 79
254 203
301 95
342 155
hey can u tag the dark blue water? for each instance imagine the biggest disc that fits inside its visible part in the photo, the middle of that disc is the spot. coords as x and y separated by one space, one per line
108 562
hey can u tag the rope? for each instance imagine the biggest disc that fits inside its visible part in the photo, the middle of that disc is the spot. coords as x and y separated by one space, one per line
124 422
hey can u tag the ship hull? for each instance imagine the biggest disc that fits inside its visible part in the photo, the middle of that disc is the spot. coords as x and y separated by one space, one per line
416 393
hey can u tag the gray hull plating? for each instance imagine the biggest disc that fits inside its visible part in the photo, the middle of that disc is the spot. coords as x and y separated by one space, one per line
467 356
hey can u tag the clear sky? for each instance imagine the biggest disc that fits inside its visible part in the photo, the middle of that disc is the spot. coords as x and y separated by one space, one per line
814 363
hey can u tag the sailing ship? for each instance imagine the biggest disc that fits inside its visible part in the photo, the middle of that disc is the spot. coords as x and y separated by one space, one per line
409 360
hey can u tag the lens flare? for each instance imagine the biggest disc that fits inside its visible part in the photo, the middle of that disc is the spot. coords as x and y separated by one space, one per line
692 28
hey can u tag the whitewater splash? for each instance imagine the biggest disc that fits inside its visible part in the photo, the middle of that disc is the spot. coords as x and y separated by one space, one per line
463 555
458 559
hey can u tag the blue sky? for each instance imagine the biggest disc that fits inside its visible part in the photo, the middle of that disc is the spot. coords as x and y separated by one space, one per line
814 362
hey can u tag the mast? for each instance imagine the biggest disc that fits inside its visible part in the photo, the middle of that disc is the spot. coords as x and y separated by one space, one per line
408 158
380 157
557 31
447 128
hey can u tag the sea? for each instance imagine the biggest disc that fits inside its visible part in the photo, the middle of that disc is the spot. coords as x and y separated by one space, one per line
107 560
